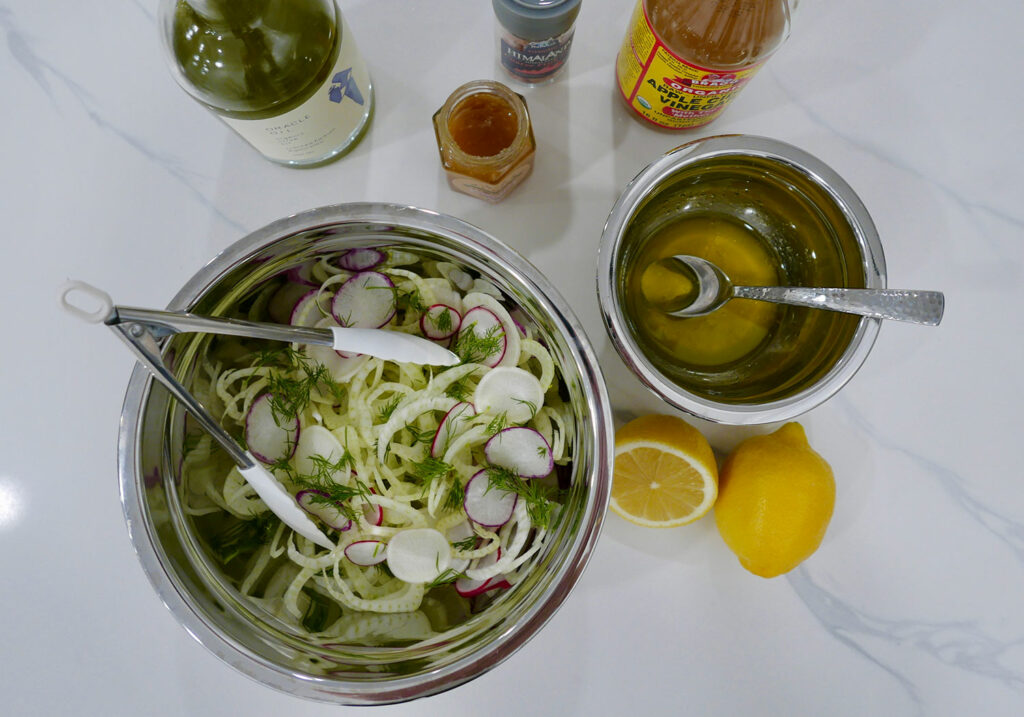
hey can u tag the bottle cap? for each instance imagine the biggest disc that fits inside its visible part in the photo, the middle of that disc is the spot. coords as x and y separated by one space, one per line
536 19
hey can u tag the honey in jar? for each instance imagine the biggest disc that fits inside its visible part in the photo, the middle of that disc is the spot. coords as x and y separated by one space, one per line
485 139
683 61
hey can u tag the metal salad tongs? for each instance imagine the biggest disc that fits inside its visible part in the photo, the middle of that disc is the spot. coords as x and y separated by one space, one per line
141 328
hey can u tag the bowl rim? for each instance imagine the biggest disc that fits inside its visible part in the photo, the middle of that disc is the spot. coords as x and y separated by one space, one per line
325 689
644 184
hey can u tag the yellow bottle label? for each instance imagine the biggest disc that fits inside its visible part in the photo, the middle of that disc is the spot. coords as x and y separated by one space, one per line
666 90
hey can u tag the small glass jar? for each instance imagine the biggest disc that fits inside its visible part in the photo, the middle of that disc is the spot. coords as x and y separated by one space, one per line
485 139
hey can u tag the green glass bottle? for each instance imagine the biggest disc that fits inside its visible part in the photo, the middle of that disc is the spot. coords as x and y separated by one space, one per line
285 74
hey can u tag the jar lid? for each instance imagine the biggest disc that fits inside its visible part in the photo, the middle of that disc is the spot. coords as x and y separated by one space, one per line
536 19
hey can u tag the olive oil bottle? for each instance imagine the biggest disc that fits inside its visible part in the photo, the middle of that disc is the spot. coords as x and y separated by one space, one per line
284 74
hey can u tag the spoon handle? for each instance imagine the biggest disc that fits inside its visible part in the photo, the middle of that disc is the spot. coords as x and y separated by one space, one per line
919 307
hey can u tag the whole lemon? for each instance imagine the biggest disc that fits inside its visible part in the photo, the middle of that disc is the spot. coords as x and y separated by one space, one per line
775 500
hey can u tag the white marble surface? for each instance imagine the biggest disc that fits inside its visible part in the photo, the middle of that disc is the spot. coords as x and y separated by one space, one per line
913 604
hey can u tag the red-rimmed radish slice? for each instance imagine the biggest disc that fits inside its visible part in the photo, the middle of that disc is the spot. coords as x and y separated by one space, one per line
366 301
484 323
469 587
318 442
418 555
282 303
522 450
367 552
509 390
303 274
306 312
361 259
268 437
374 513
318 504
450 426
440 322
487 506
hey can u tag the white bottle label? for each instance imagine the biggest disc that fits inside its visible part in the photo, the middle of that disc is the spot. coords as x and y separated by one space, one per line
322 124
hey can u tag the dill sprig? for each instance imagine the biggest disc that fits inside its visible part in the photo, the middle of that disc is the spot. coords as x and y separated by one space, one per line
465 544
322 480
291 389
498 423
242 537
431 469
472 347
387 410
536 495
418 436
442 322
456 496
447 577
459 390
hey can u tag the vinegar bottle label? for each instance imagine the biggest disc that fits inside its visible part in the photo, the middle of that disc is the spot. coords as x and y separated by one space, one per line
665 89
323 125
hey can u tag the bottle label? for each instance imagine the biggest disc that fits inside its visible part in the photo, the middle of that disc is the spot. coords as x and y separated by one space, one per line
323 124
666 90
534 61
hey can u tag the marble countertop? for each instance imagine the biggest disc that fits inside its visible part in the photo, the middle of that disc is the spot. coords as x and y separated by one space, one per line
912 605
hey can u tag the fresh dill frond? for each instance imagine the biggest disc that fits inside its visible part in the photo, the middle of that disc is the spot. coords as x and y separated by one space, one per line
447 577
456 496
418 436
498 423
529 404
291 389
442 322
465 544
431 469
242 537
459 390
472 347
536 495
387 410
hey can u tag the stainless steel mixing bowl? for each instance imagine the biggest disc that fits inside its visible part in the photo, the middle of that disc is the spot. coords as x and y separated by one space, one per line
817 232
212 610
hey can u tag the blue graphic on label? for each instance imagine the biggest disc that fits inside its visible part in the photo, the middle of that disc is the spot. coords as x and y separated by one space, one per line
344 85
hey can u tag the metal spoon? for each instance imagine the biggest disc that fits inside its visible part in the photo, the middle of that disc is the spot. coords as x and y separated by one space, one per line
712 288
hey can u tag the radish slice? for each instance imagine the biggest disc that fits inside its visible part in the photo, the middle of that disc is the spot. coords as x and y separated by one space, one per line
282 303
341 368
450 426
509 390
367 552
468 587
268 440
522 450
318 441
318 504
487 506
306 312
361 259
484 323
303 274
440 322
374 513
366 301
418 555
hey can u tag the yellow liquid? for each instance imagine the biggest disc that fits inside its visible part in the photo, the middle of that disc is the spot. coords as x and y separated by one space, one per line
728 333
